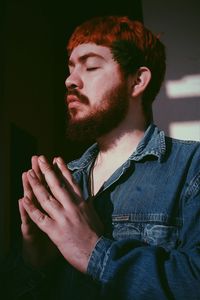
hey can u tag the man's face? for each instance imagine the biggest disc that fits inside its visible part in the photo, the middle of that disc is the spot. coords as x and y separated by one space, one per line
97 93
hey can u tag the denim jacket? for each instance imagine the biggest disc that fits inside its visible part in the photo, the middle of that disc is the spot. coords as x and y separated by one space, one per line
150 208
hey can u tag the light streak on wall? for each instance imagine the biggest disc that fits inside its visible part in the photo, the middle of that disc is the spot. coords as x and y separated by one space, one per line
186 87
189 130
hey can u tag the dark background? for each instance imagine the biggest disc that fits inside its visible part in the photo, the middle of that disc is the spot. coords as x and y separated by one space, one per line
34 34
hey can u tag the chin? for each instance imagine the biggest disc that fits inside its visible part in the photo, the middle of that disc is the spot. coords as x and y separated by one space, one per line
77 117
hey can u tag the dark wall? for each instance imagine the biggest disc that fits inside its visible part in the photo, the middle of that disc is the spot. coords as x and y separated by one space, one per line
33 63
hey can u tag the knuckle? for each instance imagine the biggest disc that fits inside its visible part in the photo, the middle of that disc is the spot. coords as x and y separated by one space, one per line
55 204
41 218
46 199
37 184
48 168
50 200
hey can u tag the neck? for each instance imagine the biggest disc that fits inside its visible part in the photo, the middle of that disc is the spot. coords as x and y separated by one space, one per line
116 147
123 140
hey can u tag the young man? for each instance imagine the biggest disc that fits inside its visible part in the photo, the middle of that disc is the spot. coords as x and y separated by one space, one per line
123 221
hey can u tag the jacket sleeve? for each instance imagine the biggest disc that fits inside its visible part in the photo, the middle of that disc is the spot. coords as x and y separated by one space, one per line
130 269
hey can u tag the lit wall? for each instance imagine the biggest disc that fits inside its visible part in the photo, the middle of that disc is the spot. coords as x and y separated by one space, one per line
177 108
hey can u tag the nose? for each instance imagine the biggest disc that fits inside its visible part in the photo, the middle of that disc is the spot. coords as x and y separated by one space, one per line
73 81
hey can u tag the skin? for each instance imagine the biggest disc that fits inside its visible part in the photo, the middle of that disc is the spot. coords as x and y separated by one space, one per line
55 217
93 72
62 215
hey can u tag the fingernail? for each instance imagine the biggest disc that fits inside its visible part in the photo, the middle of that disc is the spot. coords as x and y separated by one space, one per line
42 159
32 173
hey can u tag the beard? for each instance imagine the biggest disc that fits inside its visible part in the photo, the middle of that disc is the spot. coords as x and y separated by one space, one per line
103 117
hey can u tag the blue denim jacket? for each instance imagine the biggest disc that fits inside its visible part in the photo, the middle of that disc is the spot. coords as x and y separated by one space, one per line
150 208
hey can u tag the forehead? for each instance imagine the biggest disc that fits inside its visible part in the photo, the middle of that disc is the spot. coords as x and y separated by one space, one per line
90 50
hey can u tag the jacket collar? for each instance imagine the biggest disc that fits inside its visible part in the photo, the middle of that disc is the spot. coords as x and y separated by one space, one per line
152 144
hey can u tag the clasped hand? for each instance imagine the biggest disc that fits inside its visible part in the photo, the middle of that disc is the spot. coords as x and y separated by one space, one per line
58 213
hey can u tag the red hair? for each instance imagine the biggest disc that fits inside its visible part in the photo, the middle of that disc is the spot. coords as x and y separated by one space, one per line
105 31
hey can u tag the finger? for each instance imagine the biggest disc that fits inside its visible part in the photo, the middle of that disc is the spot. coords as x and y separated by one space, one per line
36 168
28 189
26 186
27 225
62 193
70 187
23 214
50 205
43 221
67 175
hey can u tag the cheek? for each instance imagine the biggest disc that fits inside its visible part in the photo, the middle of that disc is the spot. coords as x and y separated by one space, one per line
98 87
94 90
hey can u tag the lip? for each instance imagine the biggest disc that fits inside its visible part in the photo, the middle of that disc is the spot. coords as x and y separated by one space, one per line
73 104
72 98
72 101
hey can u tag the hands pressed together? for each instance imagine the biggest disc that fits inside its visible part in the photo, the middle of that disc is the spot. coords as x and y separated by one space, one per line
55 217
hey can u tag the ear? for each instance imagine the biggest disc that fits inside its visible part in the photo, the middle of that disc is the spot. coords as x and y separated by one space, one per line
140 80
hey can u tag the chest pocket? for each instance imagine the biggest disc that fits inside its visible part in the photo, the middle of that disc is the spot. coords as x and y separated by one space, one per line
154 229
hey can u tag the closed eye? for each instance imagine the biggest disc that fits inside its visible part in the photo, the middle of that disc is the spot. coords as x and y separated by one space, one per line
92 69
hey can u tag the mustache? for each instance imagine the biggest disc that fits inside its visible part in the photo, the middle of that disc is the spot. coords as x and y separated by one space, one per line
82 98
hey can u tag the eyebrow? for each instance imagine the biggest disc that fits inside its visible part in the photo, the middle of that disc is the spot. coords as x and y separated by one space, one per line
84 57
